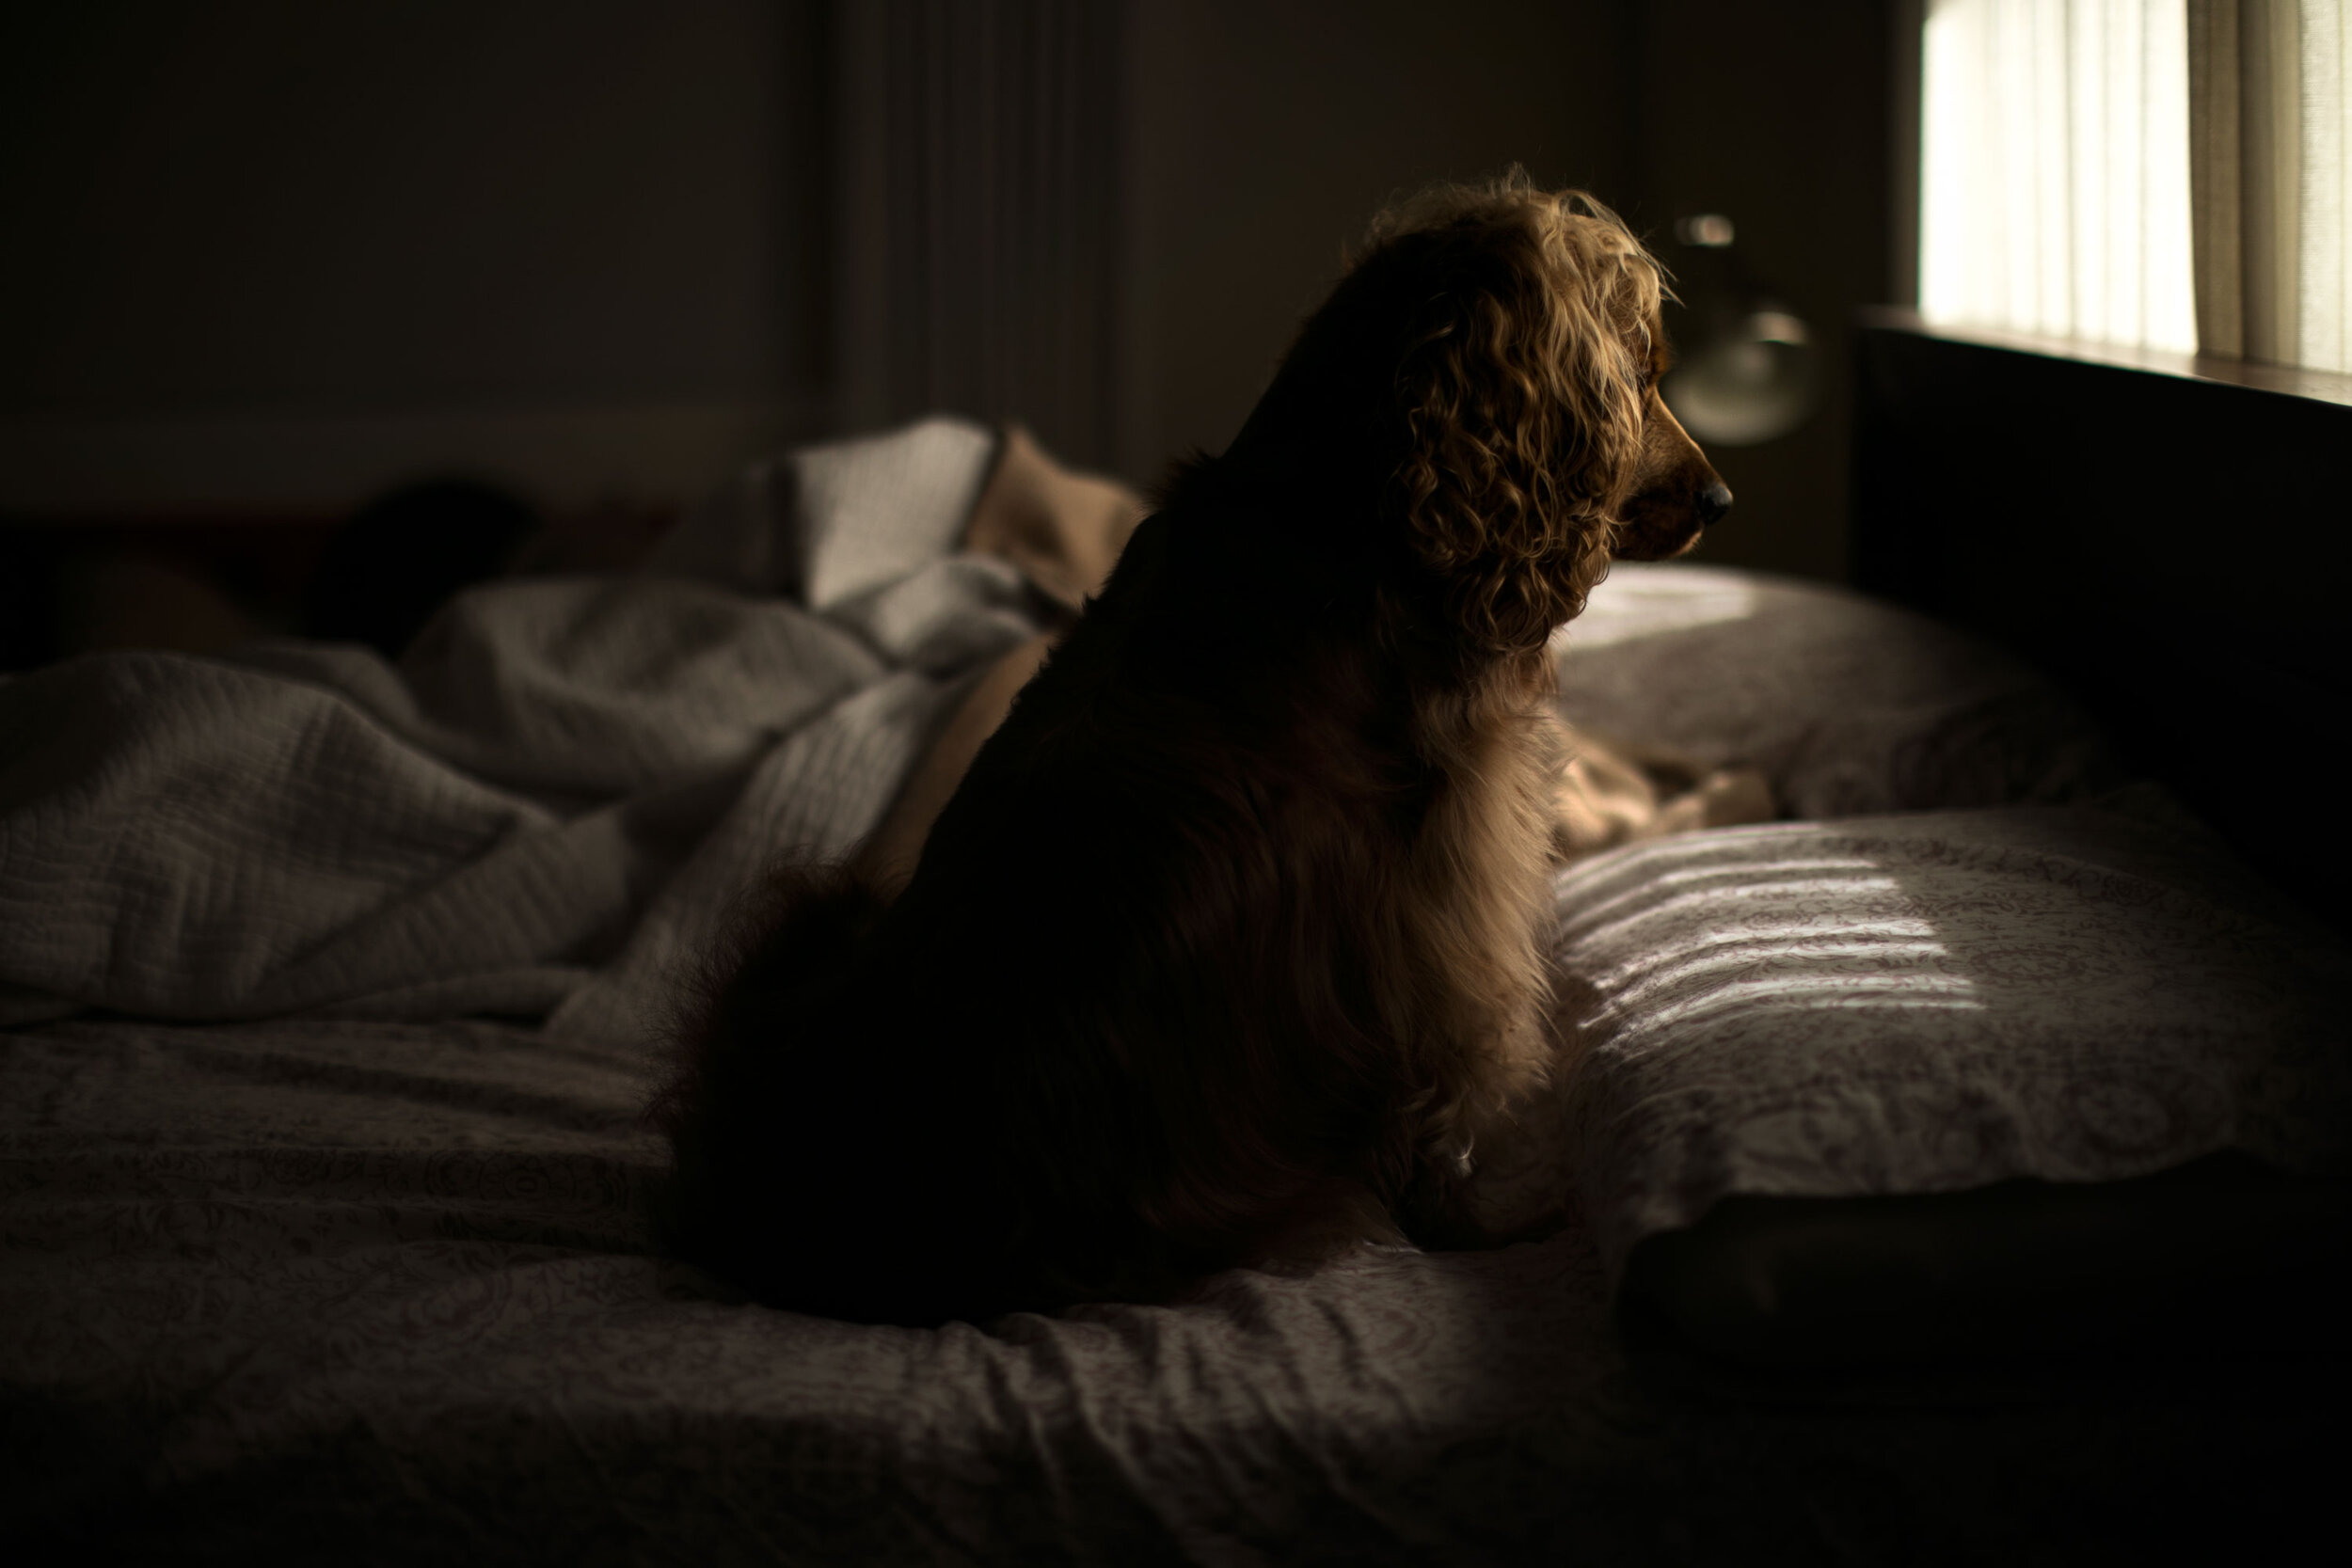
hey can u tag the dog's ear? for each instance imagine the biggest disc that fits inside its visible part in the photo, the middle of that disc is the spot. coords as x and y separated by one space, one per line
1521 395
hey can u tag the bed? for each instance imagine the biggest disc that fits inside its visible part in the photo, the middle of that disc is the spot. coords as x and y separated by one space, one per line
1952 1167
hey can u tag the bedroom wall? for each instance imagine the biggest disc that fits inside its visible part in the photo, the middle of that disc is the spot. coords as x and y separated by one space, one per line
1778 116
272 254
1265 133
268 257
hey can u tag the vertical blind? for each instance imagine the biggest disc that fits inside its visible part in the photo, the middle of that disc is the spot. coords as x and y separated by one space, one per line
2169 174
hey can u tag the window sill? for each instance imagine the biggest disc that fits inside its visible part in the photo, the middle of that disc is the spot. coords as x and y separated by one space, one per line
2290 380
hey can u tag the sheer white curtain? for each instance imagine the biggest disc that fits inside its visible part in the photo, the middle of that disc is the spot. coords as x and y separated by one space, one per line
978 195
2169 174
2270 124
2054 169
2325 286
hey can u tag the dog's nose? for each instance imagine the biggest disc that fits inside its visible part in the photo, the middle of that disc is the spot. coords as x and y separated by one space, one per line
1713 502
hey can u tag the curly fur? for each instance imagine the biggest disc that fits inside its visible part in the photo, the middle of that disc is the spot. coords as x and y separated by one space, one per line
1228 947
1522 390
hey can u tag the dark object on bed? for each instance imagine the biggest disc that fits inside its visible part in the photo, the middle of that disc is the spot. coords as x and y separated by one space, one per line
194 582
2170 547
405 555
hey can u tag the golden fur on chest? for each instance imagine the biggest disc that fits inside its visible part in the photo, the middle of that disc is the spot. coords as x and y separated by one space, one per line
1480 898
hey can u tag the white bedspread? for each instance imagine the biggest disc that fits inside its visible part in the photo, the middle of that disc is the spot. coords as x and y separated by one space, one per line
547 804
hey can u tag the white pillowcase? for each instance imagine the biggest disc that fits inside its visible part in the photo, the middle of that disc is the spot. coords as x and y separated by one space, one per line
1928 1004
1849 705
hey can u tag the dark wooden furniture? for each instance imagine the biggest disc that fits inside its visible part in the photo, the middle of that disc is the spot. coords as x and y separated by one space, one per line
2164 536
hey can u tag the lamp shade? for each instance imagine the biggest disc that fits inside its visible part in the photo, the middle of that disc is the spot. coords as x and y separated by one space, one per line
1750 372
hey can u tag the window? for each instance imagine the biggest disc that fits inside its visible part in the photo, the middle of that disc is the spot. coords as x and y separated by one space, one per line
2165 174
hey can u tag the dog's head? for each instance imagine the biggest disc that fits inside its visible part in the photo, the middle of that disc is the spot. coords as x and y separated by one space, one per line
1509 339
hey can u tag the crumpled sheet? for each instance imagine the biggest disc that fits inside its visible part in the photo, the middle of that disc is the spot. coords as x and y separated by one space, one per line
544 808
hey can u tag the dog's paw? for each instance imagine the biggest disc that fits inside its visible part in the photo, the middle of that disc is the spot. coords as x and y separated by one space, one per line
1600 800
1723 798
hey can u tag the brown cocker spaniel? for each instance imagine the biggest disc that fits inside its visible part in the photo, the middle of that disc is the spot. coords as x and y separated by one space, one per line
1228 947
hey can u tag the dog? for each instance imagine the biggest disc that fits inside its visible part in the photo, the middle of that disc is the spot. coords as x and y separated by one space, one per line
1227 948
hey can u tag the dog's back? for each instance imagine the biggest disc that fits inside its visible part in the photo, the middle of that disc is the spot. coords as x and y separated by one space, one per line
1160 997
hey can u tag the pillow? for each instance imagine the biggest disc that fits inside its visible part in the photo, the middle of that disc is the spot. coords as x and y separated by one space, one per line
1848 705
1898 1006
823 524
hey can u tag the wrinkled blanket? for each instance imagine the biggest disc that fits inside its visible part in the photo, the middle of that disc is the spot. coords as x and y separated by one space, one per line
544 808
